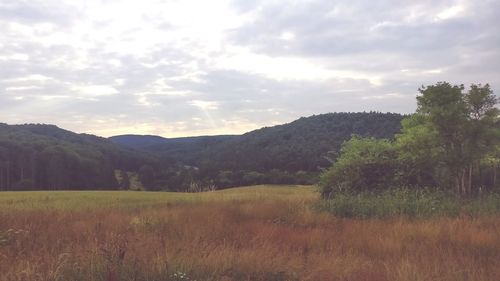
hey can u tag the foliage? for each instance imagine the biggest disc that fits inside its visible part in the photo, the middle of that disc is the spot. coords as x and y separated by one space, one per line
412 203
391 203
465 126
146 176
451 142
364 164
418 151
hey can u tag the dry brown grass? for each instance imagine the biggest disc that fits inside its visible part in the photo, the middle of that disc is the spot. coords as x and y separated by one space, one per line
242 240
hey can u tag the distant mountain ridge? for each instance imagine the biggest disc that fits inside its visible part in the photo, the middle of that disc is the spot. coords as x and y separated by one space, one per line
137 141
151 141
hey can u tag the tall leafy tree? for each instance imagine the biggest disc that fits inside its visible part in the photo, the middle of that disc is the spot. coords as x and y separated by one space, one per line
418 151
482 129
464 126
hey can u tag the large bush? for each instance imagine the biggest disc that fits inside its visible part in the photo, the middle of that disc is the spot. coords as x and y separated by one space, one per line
364 164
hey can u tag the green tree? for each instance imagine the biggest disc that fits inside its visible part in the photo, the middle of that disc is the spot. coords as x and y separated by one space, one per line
483 130
147 176
252 178
125 180
225 179
364 164
464 124
418 152
492 161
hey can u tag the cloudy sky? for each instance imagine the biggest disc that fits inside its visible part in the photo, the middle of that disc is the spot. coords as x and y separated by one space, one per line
181 68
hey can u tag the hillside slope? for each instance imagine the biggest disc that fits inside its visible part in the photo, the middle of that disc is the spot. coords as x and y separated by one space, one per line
302 144
138 141
299 145
38 156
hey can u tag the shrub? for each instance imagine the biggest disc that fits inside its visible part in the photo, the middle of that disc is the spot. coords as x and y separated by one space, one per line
364 164
412 203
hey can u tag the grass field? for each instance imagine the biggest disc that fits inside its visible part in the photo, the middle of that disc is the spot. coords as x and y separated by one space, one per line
251 233
132 200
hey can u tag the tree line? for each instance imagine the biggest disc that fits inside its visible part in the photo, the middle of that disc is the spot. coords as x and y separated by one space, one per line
38 156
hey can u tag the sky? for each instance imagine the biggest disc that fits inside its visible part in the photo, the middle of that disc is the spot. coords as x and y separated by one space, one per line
184 68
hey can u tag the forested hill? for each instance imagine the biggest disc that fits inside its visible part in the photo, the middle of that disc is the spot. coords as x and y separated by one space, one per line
37 156
299 145
138 141
278 154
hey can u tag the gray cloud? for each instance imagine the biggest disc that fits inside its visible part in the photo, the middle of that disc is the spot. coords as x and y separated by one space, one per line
37 11
110 67
376 35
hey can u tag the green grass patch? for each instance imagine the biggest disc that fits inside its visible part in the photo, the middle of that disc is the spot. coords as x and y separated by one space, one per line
89 200
409 203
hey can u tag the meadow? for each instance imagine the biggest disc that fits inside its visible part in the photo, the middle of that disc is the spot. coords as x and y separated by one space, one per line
250 233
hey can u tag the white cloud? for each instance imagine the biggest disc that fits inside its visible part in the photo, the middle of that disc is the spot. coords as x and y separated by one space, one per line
52 97
204 105
287 36
450 12
32 78
384 96
94 90
287 68
22 88
433 71
16 57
